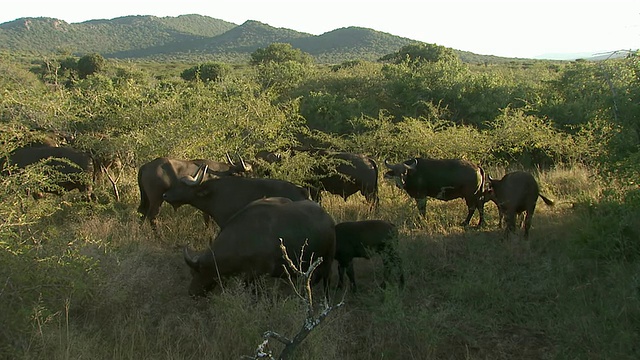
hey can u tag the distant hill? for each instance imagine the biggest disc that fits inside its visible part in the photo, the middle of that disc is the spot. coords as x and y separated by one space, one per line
195 38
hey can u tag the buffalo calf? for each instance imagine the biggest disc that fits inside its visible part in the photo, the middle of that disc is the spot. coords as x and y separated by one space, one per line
357 239
515 193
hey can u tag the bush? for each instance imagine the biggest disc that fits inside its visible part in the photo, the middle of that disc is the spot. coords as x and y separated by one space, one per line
206 72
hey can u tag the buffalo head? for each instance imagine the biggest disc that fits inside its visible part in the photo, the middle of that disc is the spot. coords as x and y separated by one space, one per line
399 172
186 188
202 276
240 168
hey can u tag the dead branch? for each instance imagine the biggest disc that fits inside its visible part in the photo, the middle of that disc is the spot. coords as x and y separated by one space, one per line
310 322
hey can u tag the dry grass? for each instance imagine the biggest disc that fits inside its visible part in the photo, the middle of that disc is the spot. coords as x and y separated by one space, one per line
470 294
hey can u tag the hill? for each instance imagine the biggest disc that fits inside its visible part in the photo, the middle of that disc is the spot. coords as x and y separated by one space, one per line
195 38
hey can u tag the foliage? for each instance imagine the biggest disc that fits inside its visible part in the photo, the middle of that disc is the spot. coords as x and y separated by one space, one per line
90 64
530 141
206 72
280 77
279 53
610 230
85 280
418 53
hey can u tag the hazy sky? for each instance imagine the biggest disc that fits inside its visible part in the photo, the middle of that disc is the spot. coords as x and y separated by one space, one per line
512 28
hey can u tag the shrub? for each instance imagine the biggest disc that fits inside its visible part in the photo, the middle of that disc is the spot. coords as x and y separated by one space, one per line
206 72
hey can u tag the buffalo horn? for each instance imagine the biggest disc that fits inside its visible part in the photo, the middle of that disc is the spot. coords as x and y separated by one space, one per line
191 261
386 163
197 178
244 166
413 164
229 159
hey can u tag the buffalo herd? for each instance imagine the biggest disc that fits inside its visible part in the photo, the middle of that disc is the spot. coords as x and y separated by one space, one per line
254 214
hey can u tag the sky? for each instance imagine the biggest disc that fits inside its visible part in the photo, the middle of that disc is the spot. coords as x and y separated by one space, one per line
509 28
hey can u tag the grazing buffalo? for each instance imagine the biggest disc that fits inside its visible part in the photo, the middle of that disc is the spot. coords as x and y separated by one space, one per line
249 244
222 197
158 176
515 193
358 239
352 173
444 179
340 173
72 168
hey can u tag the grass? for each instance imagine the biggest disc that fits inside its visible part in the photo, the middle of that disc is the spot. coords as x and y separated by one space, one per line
98 285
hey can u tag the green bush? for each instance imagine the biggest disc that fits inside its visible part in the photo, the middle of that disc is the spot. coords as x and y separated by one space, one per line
206 72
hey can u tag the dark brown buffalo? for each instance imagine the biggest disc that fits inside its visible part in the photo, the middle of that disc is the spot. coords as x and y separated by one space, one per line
340 173
515 193
249 244
71 168
222 197
359 239
352 173
444 179
159 175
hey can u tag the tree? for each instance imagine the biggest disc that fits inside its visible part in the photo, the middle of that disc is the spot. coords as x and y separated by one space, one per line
279 53
90 64
206 72
418 53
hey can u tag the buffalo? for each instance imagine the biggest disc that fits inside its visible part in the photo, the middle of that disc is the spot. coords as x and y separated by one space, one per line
222 197
339 173
249 244
73 168
515 193
358 239
352 173
161 174
444 179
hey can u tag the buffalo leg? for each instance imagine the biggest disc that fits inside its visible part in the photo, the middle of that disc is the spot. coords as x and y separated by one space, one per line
372 198
527 221
351 275
510 220
480 207
422 206
470 211
341 269
152 213
472 205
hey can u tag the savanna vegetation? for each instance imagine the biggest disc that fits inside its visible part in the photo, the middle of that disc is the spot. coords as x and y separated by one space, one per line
86 280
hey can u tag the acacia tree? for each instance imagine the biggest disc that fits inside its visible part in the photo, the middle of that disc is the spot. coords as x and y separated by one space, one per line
280 53
206 72
90 64
418 53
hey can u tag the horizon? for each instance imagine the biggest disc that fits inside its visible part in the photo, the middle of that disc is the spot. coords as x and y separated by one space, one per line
570 26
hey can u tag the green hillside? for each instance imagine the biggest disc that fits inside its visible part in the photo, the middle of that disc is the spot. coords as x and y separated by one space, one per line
194 38
46 35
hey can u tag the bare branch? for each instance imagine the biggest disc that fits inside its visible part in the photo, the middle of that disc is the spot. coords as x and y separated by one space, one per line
310 322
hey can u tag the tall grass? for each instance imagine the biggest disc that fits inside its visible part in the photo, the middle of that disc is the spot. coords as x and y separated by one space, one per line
102 286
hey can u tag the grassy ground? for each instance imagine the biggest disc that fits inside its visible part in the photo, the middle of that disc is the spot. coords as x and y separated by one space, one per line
88 282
